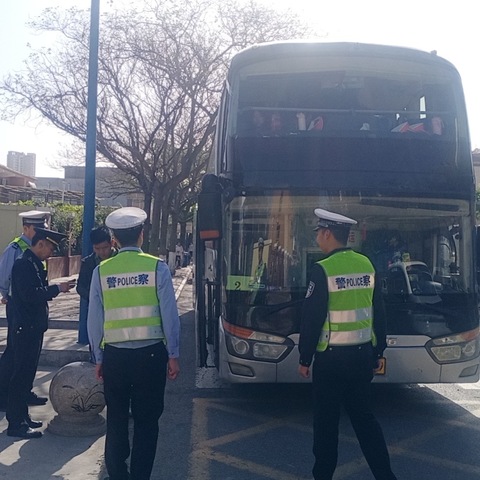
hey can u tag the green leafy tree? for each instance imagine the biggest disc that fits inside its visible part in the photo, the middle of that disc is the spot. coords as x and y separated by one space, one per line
67 219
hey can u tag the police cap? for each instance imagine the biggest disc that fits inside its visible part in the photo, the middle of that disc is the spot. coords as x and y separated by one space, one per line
328 219
125 218
50 235
35 217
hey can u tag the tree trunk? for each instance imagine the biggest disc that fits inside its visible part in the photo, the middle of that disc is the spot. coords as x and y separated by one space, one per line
172 241
183 234
156 215
163 232
147 205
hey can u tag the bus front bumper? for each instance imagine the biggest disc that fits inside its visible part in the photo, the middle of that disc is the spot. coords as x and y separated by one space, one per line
406 362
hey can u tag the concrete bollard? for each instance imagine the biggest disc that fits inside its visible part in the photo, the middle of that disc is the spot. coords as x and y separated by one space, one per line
78 399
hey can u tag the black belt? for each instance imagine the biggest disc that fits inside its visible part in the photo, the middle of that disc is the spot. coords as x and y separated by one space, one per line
361 346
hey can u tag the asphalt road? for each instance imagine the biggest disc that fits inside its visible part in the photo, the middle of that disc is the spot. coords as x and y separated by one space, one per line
215 431
212 431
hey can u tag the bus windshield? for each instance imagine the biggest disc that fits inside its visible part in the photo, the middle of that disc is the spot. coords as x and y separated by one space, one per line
418 249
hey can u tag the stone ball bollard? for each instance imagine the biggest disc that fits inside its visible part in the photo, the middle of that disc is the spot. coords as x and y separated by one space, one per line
78 399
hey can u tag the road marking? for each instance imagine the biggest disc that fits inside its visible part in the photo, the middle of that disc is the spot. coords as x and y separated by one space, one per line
251 467
204 449
199 463
469 386
210 450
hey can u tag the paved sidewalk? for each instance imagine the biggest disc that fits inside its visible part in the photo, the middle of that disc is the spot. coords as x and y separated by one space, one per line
52 456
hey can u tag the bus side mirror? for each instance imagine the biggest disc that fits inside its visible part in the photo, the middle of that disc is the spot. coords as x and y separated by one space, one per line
209 216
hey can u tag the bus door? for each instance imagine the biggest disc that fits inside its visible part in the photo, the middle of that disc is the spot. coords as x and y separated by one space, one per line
207 268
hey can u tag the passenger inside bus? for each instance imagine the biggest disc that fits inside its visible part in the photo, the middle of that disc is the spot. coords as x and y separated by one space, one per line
254 123
339 101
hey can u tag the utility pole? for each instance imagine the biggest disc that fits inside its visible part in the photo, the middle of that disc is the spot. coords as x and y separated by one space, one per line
90 154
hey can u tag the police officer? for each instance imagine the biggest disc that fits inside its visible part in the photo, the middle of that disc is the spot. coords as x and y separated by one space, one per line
132 311
30 220
343 328
30 294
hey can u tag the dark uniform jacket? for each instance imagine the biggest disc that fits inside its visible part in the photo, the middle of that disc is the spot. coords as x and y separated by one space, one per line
85 275
31 293
315 310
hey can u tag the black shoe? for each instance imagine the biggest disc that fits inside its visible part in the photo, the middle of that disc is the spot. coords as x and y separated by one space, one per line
32 423
33 399
23 431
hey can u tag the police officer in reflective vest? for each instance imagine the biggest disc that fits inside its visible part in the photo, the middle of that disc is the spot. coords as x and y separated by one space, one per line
343 329
133 328
14 250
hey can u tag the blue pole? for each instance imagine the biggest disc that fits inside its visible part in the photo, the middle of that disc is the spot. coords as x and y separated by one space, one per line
90 154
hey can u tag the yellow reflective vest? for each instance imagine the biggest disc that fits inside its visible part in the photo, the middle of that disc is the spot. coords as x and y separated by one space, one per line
130 300
350 281
21 243
24 245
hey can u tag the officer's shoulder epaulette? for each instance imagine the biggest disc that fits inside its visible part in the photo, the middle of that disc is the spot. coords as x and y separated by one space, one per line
15 245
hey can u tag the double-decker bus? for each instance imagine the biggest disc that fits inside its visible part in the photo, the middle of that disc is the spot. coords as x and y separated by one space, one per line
376 133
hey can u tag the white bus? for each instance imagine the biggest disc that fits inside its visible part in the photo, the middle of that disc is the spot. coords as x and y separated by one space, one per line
376 133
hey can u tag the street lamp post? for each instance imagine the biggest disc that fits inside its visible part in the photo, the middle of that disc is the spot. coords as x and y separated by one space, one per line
90 154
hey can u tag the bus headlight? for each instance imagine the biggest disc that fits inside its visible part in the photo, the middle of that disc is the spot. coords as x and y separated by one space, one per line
455 348
249 344
240 346
268 351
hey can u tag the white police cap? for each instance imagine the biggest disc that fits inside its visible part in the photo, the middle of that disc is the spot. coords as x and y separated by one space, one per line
328 219
35 217
126 217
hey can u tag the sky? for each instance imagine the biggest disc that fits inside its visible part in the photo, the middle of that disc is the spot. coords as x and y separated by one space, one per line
450 29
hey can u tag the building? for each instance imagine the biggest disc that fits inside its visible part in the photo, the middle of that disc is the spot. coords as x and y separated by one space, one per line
112 187
22 162
16 187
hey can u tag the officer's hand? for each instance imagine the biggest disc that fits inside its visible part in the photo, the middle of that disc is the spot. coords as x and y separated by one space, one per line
64 286
304 371
4 300
377 366
173 368
99 372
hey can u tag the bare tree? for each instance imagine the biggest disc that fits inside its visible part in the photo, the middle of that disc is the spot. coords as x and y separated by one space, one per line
160 75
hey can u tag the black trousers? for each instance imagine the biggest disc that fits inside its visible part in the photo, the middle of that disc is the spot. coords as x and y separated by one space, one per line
26 348
342 375
133 377
7 358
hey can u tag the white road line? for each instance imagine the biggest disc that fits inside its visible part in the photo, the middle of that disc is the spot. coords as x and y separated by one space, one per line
469 386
